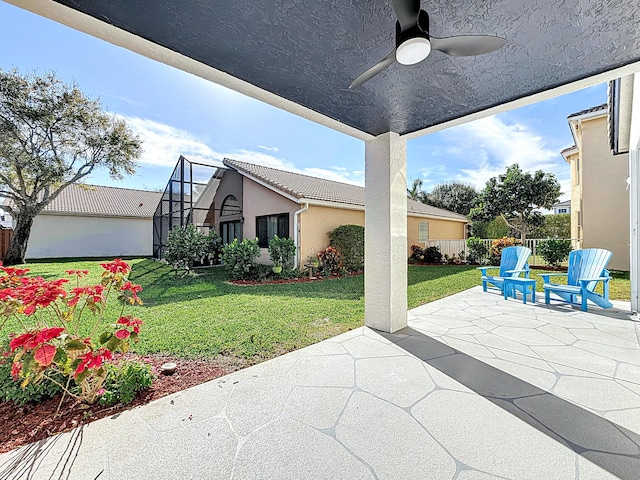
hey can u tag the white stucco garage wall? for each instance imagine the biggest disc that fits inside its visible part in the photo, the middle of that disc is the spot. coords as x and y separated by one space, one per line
54 236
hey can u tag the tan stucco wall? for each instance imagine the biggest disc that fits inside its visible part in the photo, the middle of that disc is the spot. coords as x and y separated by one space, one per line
438 230
576 194
316 222
605 199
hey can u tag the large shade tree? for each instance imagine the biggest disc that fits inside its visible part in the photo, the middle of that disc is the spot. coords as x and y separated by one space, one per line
517 197
51 136
453 196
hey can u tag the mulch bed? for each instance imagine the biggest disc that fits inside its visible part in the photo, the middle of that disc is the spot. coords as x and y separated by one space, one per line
281 281
32 422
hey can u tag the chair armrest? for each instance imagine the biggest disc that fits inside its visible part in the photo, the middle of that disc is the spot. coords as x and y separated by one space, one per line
597 279
545 276
484 270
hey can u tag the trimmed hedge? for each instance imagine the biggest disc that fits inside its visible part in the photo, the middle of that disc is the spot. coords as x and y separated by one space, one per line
348 240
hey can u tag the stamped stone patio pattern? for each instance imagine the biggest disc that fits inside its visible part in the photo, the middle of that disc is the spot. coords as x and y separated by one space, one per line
443 399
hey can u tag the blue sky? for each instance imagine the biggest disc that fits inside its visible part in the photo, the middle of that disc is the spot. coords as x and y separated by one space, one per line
178 113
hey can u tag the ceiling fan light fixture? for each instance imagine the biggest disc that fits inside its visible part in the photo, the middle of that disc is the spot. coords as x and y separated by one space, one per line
413 50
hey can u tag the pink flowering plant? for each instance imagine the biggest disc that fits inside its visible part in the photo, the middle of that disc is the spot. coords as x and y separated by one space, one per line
53 319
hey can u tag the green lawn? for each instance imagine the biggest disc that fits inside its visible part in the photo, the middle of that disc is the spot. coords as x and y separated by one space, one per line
202 316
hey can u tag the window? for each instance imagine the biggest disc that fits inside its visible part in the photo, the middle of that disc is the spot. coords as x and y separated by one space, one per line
230 206
423 232
269 226
562 210
230 230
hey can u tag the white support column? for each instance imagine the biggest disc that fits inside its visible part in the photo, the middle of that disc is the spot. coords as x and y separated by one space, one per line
385 278
634 210
634 193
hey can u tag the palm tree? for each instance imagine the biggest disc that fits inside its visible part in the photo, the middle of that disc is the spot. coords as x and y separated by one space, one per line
415 192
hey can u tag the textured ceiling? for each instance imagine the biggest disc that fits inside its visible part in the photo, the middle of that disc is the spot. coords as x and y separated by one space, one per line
309 51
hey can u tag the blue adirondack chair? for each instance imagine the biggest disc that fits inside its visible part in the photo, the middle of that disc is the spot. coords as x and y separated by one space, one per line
586 268
513 262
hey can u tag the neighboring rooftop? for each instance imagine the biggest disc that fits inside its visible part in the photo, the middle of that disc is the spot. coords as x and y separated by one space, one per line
566 203
101 200
302 186
598 108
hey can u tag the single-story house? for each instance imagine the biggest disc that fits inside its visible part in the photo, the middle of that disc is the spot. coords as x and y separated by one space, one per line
95 221
244 200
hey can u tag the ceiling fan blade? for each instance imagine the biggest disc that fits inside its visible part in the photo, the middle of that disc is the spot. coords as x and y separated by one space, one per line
407 12
375 70
467 45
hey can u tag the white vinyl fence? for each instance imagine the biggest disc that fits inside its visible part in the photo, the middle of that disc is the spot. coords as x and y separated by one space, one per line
456 247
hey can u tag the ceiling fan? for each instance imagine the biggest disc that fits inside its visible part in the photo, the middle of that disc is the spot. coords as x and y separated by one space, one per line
414 43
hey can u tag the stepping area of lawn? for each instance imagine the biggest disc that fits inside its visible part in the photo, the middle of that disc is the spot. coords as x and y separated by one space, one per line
476 387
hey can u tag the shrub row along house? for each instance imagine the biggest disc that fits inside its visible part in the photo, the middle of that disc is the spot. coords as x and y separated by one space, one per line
244 200
238 200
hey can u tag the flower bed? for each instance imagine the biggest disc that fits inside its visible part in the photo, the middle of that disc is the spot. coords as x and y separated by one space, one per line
52 348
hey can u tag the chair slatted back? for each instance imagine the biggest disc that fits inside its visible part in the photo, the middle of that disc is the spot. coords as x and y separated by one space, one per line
513 258
587 263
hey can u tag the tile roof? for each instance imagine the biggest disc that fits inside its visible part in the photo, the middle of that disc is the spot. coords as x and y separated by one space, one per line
598 108
107 201
302 186
568 149
566 203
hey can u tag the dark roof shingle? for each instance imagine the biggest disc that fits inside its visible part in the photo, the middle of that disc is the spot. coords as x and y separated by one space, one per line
302 186
602 107
107 201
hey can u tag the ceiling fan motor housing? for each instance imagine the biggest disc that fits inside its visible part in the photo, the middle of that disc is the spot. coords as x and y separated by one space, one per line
412 44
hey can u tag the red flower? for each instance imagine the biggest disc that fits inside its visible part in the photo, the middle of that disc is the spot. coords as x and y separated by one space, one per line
15 272
117 266
122 334
44 355
93 360
130 321
94 294
16 368
134 289
78 273
35 338
37 292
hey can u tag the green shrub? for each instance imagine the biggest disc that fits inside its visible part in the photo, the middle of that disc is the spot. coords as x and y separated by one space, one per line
432 255
417 254
239 258
282 251
329 261
125 380
477 249
348 240
185 246
496 228
11 391
554 251
213 247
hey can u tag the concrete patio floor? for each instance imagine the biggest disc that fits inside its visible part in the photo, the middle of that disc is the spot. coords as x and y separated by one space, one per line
475 388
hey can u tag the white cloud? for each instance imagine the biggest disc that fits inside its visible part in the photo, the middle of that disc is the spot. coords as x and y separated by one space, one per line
490 145
163 145
269 149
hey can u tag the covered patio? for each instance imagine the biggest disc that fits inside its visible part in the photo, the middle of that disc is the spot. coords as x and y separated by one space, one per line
303 57
467 387
475 387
